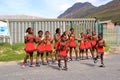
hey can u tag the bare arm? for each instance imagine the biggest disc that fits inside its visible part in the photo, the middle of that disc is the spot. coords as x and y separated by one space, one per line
104 43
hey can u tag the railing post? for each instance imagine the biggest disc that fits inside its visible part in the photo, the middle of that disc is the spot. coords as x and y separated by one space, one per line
117 35
71 24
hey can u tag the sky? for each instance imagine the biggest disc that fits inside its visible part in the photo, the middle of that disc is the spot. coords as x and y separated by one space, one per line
41 8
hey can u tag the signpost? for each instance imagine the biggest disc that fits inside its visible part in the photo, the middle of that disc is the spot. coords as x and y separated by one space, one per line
4 34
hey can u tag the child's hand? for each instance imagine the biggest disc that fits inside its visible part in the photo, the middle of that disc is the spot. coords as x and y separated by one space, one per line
51 41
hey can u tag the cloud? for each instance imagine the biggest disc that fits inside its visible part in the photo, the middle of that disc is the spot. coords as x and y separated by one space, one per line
17 4
64 7
43 8
19 7
88 0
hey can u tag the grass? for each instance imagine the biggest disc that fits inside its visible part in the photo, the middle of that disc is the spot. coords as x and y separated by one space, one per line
16 52
107 48
11 52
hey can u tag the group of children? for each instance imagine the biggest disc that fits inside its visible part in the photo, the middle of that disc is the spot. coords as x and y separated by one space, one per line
62 45
94 44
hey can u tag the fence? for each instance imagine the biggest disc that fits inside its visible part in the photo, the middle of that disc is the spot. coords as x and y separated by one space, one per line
4 39
112 35
17 27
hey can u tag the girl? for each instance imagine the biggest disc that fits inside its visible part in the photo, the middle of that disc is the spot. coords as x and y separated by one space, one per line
62 52
48 48
100 49
67 40
94 41
81 46
88 44
40 48
72 44
29 47
57 40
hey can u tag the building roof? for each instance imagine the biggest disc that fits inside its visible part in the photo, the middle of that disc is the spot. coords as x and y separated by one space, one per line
6 17
104 22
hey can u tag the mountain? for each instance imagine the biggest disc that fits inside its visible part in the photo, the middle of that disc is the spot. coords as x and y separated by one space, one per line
109 11
80 8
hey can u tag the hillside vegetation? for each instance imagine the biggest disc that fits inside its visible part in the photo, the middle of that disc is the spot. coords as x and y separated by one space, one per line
109 11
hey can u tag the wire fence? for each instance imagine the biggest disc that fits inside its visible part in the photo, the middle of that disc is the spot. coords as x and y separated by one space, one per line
112 35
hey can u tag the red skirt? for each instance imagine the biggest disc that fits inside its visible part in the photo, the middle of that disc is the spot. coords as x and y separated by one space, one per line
67 47
29 47
56 45
40 48
100 50
93 43
82 46
72 44
63 53
88 45
48 48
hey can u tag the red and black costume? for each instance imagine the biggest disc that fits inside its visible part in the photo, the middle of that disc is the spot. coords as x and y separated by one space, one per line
29 43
